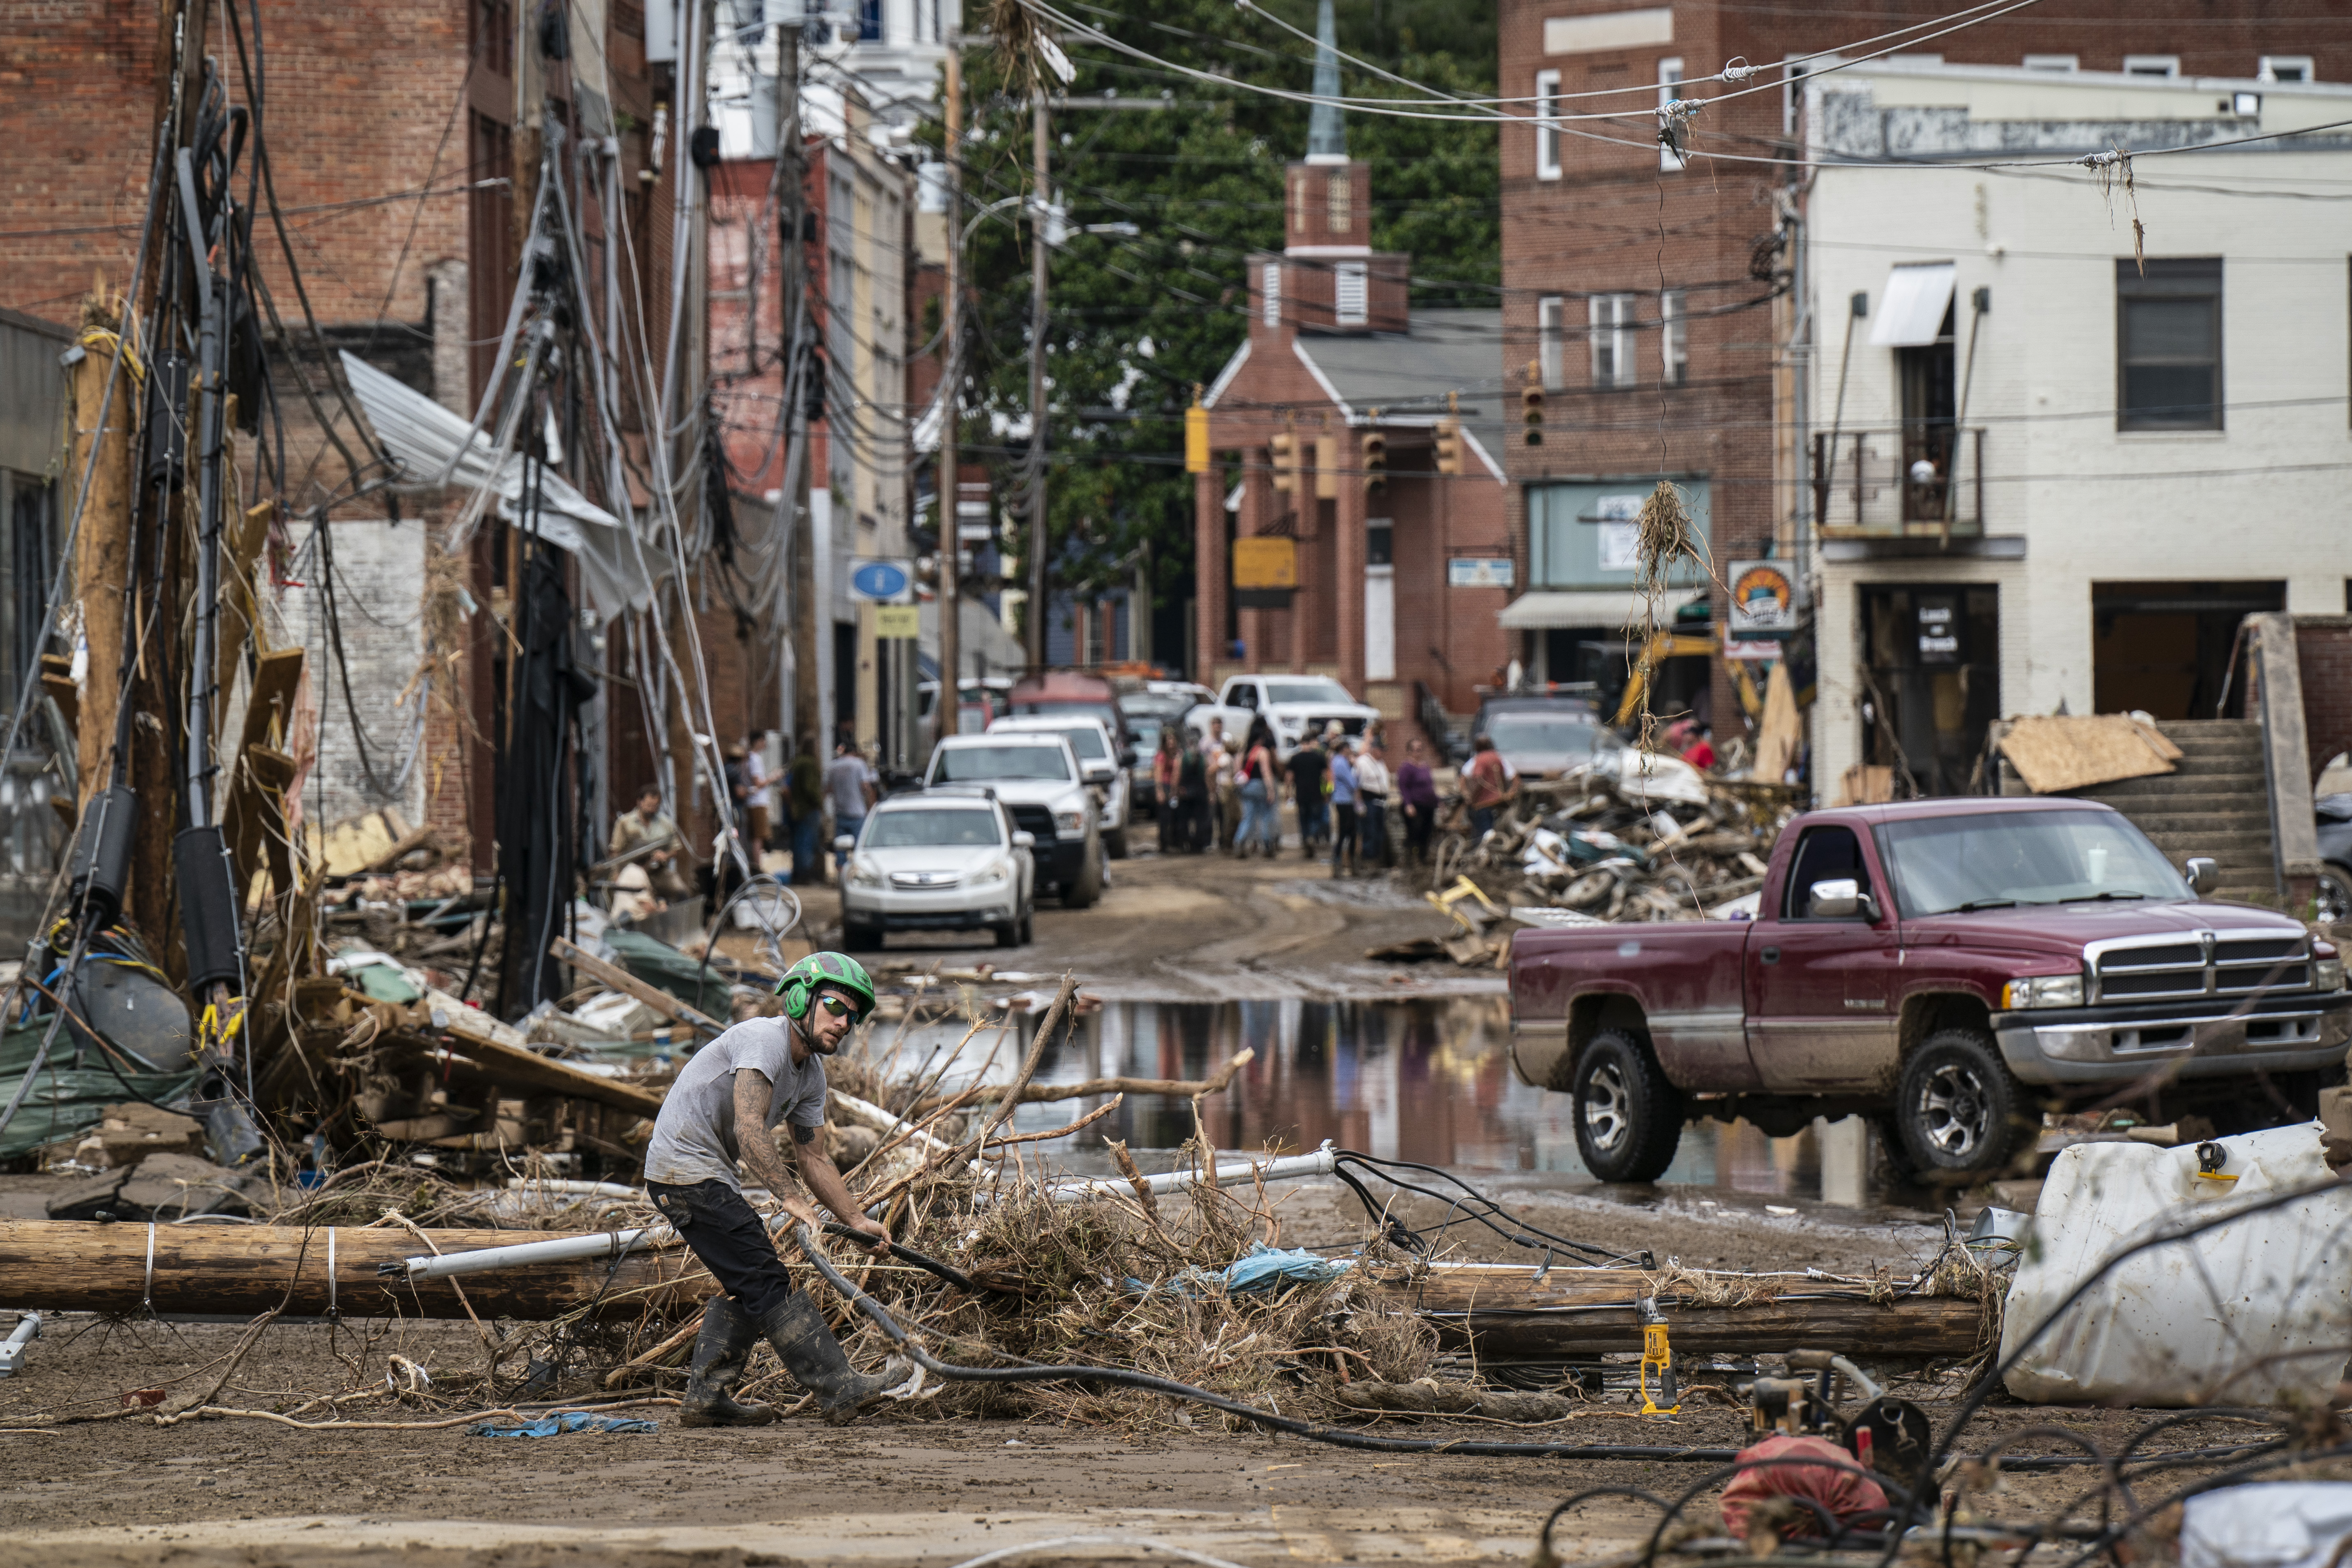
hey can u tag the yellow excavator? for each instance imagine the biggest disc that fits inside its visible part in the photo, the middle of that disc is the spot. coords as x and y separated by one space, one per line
1663 646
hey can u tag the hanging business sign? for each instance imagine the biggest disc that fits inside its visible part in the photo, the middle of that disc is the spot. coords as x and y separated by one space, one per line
880 579
1764 602
897 621
1478 572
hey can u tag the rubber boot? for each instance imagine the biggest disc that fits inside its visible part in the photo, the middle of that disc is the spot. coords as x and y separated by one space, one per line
819 1364
720 1352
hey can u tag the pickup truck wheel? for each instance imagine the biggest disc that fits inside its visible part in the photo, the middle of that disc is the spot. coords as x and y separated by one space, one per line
1629 1118
1960 1111
1088 886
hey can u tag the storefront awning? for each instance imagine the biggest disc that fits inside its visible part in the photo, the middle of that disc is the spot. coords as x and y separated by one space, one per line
1608 607
1911 312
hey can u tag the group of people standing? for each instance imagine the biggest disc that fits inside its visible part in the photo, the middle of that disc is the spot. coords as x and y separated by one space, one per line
1213 791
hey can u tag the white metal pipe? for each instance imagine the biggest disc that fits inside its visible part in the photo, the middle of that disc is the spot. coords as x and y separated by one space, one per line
1290 1167
562 1249
11 1352
572 1189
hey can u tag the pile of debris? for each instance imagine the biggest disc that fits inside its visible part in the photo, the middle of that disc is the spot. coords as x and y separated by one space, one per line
1590 847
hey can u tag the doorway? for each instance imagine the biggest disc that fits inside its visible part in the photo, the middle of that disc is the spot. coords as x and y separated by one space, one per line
2165 649
1930 415
1930 683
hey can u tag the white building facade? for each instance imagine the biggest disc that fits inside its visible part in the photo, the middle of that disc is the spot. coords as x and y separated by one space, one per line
2047 473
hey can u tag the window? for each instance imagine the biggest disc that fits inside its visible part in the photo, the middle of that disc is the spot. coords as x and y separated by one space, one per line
1350 296
1823 854
1675 337
1270 293
1670 76
1339 199
2168 344
1546 125
869 21
2284 67
2165 66
2064 64
1551 330
1611 321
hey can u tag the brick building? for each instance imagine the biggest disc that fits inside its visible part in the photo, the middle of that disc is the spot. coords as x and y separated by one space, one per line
1650 293
1365 436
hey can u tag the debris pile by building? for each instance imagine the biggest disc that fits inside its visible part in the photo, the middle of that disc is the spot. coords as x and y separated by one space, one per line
1594 847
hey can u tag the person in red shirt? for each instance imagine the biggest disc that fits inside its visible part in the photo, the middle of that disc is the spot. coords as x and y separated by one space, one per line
1701 751
1485 785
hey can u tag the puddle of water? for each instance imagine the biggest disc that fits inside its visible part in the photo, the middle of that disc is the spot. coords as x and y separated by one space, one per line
1427 1080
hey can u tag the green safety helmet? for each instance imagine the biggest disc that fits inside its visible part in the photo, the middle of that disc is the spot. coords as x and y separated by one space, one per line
798 985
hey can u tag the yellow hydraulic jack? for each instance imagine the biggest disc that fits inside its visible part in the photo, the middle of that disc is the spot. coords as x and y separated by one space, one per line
1659 1357
1463 888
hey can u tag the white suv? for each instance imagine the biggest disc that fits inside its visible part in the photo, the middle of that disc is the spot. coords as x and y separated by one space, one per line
946 859
1096 750
1035 778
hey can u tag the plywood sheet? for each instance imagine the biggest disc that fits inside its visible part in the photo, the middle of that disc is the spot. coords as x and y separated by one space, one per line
2056 752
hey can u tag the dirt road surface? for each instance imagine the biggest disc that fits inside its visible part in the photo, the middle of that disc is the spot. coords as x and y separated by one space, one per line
1209 928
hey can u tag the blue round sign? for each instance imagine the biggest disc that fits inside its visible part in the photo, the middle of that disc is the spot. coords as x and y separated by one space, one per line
879 580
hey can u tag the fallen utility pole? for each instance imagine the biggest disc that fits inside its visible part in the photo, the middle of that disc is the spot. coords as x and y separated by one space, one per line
239 1270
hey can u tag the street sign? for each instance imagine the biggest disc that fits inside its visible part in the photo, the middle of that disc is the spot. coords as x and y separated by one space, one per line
897 621
1478 572
879 579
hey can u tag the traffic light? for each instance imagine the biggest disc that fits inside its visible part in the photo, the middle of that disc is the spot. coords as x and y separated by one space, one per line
1326 468
1376 463
1531 404
1284 447
1449 446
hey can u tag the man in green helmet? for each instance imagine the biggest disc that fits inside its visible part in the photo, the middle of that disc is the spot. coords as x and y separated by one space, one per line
759 1074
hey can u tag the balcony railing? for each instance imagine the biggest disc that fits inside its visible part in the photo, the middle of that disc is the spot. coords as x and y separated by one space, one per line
1924 480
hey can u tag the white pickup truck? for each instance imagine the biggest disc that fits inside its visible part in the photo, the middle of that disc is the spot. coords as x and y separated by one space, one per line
1291 704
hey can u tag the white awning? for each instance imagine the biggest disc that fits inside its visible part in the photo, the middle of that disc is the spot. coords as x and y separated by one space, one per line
1610 608
1911 313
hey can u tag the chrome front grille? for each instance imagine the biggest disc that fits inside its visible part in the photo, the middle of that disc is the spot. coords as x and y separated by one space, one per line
2204 963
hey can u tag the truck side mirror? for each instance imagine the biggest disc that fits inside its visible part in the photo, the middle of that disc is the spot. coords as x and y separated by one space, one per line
1836 898
2204 874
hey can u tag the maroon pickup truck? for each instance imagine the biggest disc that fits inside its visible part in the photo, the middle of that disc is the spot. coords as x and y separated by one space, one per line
1947 968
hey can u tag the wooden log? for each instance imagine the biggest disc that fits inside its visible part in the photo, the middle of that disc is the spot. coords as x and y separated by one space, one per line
242 1270
621 980
1508 1309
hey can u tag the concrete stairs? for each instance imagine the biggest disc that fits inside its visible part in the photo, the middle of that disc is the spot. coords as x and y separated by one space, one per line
2215 802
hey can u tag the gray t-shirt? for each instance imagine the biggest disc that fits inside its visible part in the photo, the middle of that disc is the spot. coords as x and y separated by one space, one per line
846 778
695 1137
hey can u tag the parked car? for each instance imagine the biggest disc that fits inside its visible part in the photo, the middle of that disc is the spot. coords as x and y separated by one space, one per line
1290 704
2334 825
1543 735
1098 763
1037 779
1059 692
950 858
1942 967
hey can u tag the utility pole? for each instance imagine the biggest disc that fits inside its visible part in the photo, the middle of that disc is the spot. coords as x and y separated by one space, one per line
947 493
1041 201
792 205
102 550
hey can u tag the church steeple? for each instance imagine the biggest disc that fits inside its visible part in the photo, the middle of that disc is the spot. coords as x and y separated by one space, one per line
1326 132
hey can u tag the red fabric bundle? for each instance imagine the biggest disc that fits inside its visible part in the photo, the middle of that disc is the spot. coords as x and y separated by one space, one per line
1845 1494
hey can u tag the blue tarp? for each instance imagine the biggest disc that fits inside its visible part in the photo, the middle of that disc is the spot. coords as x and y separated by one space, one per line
555 1422
1262 1268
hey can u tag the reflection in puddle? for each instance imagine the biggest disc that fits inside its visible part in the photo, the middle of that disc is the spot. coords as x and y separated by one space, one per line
1428 1080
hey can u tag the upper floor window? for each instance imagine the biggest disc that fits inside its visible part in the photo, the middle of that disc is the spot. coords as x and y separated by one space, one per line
1674 336
869 21
1351 302
1611 318
2165 66
1270 293
1670 76
2063 64
1339 201
2285 68
1546 125
2168 344
1551 330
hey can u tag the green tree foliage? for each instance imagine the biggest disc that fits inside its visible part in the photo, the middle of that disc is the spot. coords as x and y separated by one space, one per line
1136 323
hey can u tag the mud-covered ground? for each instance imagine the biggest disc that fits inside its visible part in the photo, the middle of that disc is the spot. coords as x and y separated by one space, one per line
898 1488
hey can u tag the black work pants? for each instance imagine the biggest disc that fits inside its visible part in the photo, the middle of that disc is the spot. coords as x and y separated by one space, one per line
1343 837
726 1234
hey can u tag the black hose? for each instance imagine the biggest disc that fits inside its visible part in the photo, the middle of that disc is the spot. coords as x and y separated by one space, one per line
947 1271
1516 1232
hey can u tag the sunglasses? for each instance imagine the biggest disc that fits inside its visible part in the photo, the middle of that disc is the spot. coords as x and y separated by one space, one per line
839 1007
